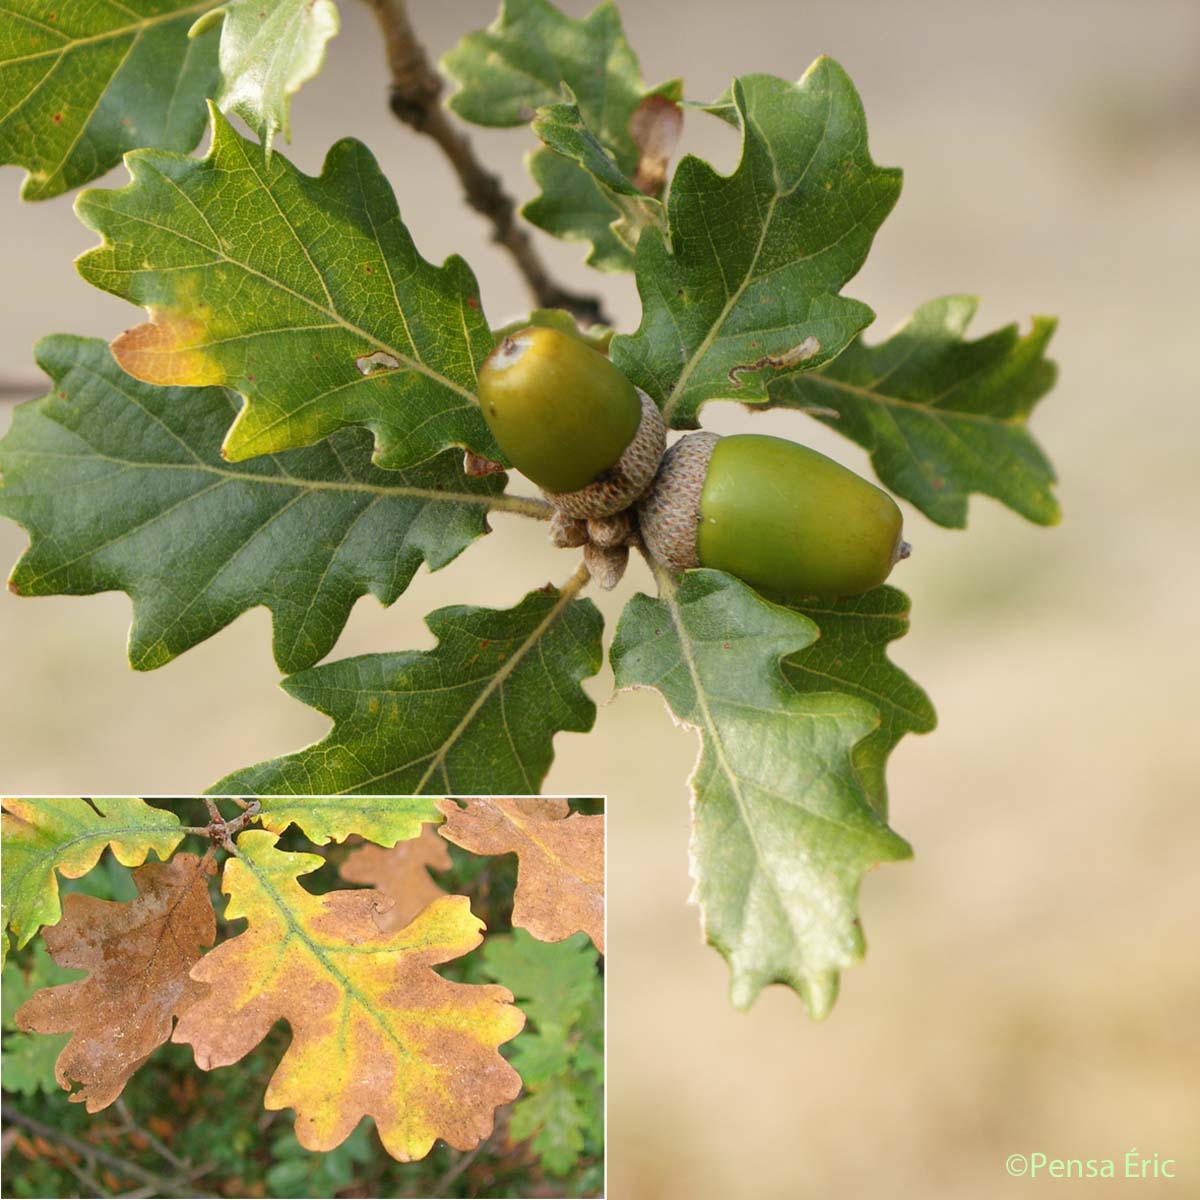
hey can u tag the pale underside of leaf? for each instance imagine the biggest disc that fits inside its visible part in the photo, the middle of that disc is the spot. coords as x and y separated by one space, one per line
268 52
850 657
782 828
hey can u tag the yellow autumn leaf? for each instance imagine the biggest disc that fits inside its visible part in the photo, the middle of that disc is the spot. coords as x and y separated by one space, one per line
375 1030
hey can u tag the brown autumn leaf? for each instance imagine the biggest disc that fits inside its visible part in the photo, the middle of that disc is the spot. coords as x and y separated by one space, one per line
400 874
139 953
560 860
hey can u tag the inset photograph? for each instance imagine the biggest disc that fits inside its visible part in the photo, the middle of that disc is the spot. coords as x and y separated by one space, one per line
377 996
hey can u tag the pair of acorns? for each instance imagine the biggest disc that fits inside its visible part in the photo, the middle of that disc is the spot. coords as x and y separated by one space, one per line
776 514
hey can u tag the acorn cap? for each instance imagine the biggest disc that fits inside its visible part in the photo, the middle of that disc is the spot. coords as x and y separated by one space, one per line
669 513
560 411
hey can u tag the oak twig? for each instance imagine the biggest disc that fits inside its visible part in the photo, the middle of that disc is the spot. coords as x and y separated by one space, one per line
415 99
221 831
158 1146
163 1186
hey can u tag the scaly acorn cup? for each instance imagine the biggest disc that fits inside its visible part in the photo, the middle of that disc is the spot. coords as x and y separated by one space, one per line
776 514
570 421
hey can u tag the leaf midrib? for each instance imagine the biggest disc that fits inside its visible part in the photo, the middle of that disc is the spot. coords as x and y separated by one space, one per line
670 592
780 192
71 44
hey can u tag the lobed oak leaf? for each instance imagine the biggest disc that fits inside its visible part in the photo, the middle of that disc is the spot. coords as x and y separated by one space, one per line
139 953
560 860
400 874
375 1030
68 834
384 820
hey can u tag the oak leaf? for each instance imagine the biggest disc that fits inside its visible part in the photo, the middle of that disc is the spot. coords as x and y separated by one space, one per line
400 874
560 860
375 1030
138 953
384 820
68 834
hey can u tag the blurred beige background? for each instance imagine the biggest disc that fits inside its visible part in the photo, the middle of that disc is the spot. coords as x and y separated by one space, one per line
1033 982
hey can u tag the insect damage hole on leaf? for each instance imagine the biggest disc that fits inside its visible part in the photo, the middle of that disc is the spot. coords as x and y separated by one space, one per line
380 360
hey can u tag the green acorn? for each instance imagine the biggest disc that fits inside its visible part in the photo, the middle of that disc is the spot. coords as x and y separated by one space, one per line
772 512
570 421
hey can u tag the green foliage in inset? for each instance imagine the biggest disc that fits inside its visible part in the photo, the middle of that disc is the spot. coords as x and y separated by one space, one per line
144 502
268 52
29 1057
784 829
746 281
300 1172
83 81
474 716
561 1058
941 416
306 296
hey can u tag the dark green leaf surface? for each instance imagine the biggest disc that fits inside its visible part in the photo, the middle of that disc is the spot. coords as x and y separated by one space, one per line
474 716
850 657
941 416
518 65
306 296
82 81
783 829
520 62
122 486
268 52
553 982
560 1059
746 282
553 1117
